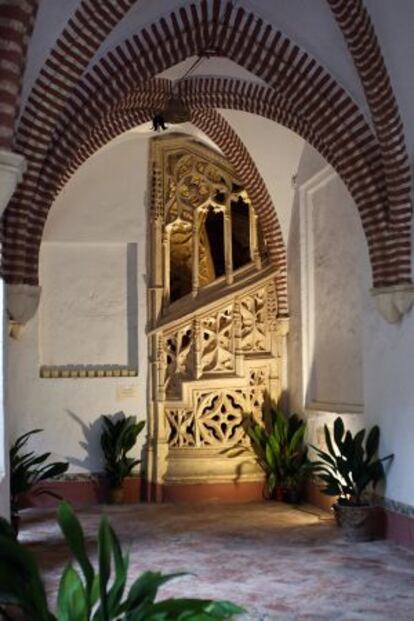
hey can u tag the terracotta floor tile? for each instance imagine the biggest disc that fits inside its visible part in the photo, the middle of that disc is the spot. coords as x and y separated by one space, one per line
280 563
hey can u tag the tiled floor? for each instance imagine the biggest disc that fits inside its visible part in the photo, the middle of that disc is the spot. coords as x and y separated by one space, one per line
278 562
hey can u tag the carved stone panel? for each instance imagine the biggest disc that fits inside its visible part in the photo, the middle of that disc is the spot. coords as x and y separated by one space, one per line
178 360
182 428
253 322
219 418
217 348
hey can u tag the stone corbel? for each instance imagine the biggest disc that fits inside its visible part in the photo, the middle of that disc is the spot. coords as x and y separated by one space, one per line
22 303
12 168
393 302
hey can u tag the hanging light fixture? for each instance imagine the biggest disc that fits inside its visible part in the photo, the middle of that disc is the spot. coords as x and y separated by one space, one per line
176 112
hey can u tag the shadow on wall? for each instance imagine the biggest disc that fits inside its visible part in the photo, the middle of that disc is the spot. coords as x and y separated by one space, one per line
132 305
91 443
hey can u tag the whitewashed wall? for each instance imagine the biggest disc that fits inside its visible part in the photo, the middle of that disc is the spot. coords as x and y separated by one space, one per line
359 357
92 309
328 286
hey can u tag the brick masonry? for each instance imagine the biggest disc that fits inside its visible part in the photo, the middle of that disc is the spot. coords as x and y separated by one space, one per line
306 97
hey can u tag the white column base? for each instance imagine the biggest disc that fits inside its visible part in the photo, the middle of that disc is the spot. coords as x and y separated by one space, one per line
393 302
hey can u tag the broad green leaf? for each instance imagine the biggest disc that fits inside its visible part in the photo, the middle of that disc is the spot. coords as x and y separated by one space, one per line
72 602
104 557
270 458
190 610
20 580
121 570
145 588
73 533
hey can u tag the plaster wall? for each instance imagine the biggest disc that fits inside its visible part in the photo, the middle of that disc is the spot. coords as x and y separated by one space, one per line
328 286
359 356
92 309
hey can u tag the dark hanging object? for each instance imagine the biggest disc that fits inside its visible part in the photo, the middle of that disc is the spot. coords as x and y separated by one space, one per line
158 122
176 112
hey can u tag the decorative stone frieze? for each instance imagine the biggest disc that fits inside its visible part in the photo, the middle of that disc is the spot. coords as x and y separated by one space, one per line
86 371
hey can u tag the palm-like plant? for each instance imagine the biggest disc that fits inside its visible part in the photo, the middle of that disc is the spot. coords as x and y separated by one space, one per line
118 437
350 465
87 595
28 470
279 449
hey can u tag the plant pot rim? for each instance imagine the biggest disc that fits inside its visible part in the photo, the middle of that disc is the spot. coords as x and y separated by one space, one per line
340 505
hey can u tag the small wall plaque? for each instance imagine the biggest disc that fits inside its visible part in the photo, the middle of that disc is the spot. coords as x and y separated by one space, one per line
126 391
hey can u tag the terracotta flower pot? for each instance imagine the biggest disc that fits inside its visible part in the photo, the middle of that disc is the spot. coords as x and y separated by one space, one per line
291 495
116 495
278 493
356 521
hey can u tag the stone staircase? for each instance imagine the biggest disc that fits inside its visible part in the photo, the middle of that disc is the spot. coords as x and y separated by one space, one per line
216 359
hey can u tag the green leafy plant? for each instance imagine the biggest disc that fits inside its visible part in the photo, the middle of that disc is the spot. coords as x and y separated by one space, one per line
279 449
87 595
29 469
350 466
118 437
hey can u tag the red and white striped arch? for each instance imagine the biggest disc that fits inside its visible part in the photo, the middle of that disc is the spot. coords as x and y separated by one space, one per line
300 94
357 28
16 25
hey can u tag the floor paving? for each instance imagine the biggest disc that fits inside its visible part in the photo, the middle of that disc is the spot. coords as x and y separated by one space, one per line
279 562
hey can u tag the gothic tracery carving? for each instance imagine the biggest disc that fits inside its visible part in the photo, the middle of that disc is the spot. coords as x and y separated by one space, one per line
253 321
178 353
217 341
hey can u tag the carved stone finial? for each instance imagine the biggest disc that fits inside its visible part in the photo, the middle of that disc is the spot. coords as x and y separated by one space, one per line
394 302
22 302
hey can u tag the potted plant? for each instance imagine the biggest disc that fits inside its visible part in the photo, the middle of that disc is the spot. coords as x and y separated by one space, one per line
28 471
118 437
86 593
351 470
280 451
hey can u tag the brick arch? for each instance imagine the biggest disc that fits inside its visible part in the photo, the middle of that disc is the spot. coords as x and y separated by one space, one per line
202 93
355 23
307 93
16 25
125 117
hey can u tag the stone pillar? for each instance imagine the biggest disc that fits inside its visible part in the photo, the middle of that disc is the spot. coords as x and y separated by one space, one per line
156 289
228 247
167 265
12 167
237 335
197 347
196 253
254 244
